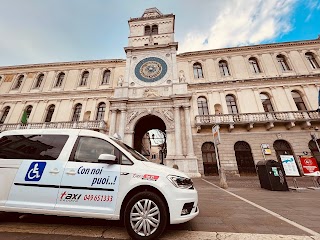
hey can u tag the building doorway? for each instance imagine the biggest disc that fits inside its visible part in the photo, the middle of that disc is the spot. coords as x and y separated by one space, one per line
244 158
282 147
314 150
150 138
209 159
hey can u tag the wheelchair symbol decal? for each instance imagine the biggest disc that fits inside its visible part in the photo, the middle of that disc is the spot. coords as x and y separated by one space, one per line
35 171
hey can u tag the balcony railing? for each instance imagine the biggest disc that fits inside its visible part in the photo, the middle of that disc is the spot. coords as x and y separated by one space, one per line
269 118
95 125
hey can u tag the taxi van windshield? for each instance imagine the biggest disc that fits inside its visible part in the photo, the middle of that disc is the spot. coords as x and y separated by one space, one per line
132 151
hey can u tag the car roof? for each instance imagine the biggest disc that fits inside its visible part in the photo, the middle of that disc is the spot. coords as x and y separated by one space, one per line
50 131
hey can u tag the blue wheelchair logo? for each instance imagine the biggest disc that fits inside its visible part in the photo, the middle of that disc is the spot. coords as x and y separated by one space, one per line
35 171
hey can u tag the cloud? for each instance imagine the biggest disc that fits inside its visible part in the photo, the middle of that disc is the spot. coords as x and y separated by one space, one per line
311 6
243 22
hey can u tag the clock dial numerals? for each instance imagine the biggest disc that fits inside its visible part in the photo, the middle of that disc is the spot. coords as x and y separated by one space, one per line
151 69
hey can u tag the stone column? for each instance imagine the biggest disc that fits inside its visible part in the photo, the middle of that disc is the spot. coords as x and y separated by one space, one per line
292 104
177 125
223 102
190 151
122 123
258 99
112 127
94 109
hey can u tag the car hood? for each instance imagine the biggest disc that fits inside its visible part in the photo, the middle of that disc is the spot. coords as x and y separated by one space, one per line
164 169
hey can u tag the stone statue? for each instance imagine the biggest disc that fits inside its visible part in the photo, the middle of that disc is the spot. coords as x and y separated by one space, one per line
131 116
148 92
168 114
120 81
182 78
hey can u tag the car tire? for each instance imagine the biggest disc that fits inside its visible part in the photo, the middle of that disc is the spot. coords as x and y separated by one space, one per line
145 216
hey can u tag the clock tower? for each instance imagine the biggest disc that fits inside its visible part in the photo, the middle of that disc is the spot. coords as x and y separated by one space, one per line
151 51
150 95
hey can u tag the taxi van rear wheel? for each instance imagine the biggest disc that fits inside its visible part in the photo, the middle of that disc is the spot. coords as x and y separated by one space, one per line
145 216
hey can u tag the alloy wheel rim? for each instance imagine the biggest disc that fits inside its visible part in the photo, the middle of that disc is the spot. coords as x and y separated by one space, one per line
145 217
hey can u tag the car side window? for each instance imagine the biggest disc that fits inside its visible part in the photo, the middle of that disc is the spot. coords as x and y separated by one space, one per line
125 160
89 149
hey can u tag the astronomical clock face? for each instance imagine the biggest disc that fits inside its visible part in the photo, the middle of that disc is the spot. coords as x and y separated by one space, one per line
151 69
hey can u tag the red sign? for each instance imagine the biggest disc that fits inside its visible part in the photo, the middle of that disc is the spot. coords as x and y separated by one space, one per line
309 166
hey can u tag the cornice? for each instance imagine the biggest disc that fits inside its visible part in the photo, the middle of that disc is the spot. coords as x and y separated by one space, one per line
254 47
151 47
62 94
63 64
254 82
151 18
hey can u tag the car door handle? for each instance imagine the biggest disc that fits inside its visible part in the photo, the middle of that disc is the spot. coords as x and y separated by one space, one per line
124 173
54 171
71 172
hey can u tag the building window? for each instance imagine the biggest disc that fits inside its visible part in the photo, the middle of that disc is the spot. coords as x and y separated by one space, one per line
77 112
298 101
254 65
39 81
100 111
84 78
203 106
231 104
283 63
312 60
266 103
18 82
106 77
59 80
147 30
50 113
224 69
4 114
154 29
197 70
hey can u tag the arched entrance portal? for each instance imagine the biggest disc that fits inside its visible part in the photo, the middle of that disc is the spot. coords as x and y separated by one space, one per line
244 158
314 150
282 147
145 140
209 159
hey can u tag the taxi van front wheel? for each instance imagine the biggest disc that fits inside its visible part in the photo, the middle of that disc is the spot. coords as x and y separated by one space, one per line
145 216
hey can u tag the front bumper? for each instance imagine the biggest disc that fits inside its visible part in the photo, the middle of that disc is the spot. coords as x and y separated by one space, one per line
186 196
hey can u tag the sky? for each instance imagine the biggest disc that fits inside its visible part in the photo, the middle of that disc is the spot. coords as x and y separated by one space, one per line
45 31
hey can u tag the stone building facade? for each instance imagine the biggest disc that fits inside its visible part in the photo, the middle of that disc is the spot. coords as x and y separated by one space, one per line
264 95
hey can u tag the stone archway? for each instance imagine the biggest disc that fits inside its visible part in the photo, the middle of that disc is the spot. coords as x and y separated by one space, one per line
145 124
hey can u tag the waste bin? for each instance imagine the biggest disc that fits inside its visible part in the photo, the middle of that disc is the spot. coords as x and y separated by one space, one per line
271 176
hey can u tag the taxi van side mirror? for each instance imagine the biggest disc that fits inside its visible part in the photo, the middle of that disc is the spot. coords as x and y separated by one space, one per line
107 158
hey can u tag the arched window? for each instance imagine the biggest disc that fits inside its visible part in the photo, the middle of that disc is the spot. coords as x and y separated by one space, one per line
50 113
197 70
298 101
283 63
147 30
224 69
312 60
231 104
106 77
266 103
203 106
39 81
59 80
77 112
254 65
84 78
282 147
154 29
18 82
100 111
4 114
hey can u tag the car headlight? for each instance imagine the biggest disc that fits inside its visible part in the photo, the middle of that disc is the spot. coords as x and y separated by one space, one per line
181 182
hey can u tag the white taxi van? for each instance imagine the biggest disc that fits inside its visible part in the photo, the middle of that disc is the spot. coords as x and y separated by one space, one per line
83 173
